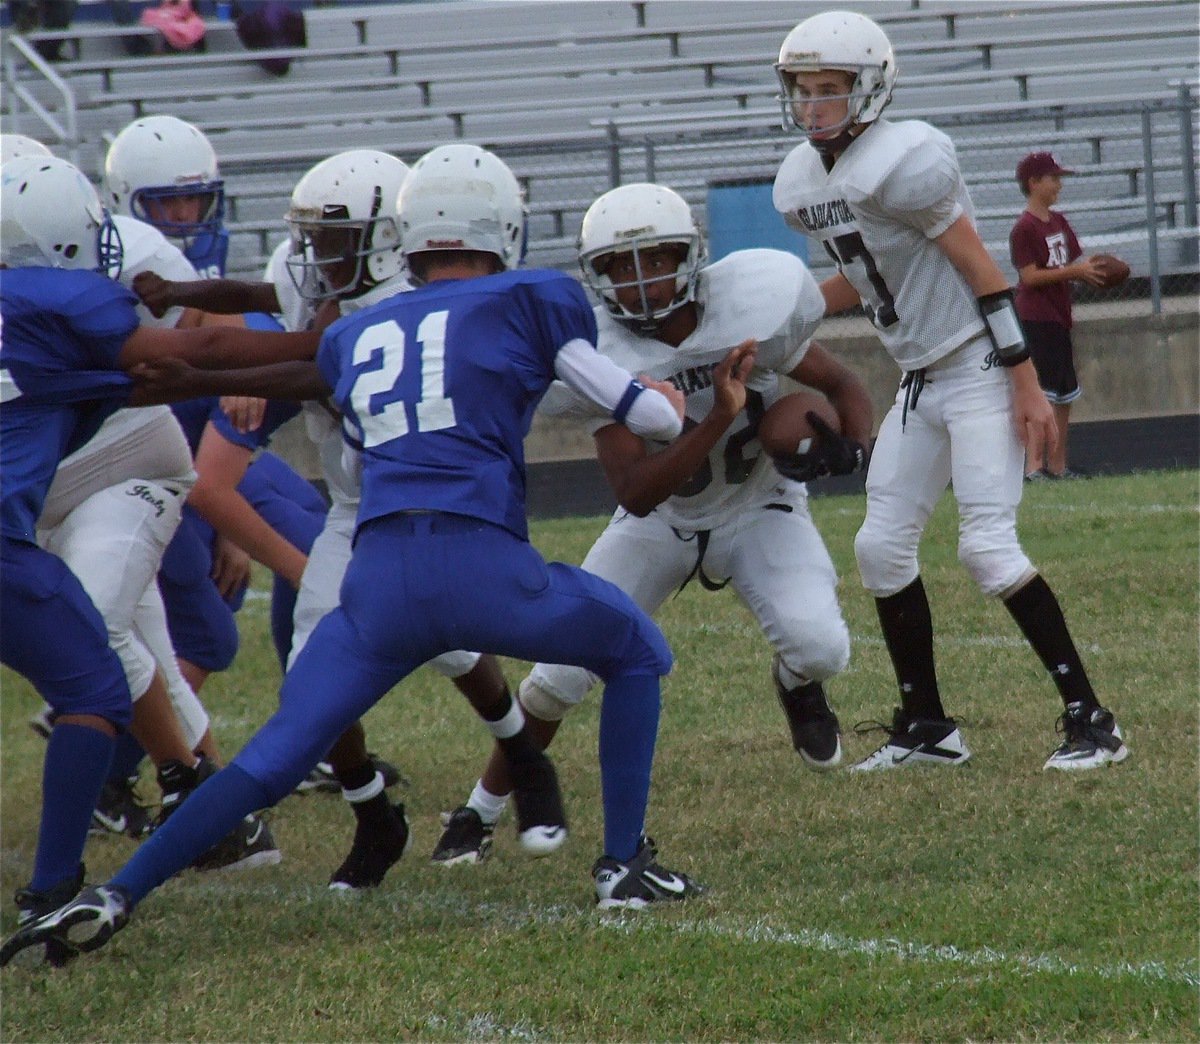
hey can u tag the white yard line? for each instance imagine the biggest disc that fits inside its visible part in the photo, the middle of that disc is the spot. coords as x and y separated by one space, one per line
1185 973
921 953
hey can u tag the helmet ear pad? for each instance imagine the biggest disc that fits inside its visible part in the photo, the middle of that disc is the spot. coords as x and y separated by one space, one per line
383 250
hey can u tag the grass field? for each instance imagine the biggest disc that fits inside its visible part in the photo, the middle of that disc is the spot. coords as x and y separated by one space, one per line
989 902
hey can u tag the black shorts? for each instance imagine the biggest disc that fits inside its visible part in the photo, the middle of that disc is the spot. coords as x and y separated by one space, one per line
1054 359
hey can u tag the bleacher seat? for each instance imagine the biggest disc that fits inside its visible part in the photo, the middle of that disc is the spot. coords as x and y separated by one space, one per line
680 90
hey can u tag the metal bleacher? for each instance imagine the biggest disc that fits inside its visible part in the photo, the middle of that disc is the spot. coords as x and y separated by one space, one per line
578 96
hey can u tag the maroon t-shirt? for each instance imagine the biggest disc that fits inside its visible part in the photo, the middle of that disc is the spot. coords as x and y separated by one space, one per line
1047 244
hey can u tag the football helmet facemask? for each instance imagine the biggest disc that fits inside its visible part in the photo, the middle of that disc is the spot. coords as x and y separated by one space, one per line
462 197
159 158
343 212
848 42
633 219
51 216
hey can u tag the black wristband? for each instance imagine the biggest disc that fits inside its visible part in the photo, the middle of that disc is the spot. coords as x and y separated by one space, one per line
1003 327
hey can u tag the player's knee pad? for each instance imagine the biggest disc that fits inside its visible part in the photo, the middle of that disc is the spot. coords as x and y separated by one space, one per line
887 562
817 648
994 558
550 691
202 626
455 664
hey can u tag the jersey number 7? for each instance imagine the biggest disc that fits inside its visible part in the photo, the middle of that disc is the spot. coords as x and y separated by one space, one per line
850 252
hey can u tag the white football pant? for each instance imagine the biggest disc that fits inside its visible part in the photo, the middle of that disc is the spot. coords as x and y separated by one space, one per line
773 558
114 541
962 433
133 447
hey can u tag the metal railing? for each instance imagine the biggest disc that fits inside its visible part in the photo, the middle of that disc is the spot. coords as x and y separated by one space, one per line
66 130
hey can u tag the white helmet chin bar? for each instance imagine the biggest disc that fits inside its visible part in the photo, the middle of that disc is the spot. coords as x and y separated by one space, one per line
634 219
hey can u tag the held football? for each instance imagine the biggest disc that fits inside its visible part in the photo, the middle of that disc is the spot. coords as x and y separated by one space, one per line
784 428
1114 270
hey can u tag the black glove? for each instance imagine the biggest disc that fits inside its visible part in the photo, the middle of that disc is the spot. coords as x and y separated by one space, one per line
829 454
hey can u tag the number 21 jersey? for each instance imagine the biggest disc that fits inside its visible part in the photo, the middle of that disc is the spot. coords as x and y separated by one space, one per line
877 212
440 385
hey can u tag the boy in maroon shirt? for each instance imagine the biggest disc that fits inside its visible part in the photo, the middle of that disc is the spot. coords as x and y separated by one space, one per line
1047 256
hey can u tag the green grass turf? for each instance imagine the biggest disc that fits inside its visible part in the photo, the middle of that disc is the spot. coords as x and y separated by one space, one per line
991 902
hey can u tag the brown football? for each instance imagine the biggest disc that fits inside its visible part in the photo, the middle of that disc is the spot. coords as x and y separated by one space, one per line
1114 270
785 425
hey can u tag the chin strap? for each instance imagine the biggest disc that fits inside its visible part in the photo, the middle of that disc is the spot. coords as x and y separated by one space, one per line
832 146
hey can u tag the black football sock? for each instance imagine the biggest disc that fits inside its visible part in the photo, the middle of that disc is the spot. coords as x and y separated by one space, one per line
363 787
908 632
1041 620
506 721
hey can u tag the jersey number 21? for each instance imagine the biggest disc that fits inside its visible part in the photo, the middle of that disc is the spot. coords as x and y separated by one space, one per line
382 415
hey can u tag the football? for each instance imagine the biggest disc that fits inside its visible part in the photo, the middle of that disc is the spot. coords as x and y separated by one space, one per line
1114 270
784 428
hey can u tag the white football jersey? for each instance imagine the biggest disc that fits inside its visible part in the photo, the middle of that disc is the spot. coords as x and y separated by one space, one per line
890 194
294 312
766 294
146 249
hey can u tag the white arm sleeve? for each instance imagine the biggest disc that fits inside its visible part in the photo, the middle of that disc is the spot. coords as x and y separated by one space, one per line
642 410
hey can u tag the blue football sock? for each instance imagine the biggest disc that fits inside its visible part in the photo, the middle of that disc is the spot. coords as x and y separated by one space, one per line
127 756
206 816
76 766
628 731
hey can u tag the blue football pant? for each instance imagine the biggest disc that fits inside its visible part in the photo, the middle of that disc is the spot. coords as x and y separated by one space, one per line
420 585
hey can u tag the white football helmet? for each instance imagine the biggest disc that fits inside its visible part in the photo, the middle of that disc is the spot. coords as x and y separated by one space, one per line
158 158
846 41
344 209
14 146
51 217
631 219
462 197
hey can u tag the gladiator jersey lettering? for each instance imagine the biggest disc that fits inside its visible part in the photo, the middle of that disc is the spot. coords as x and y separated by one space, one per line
439 386
63 331
766 294
895 189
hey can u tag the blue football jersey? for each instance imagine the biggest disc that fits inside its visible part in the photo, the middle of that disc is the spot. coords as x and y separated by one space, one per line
62 333
207 253
440 386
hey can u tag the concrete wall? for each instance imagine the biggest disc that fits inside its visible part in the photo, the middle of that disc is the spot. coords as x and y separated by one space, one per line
1129 366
